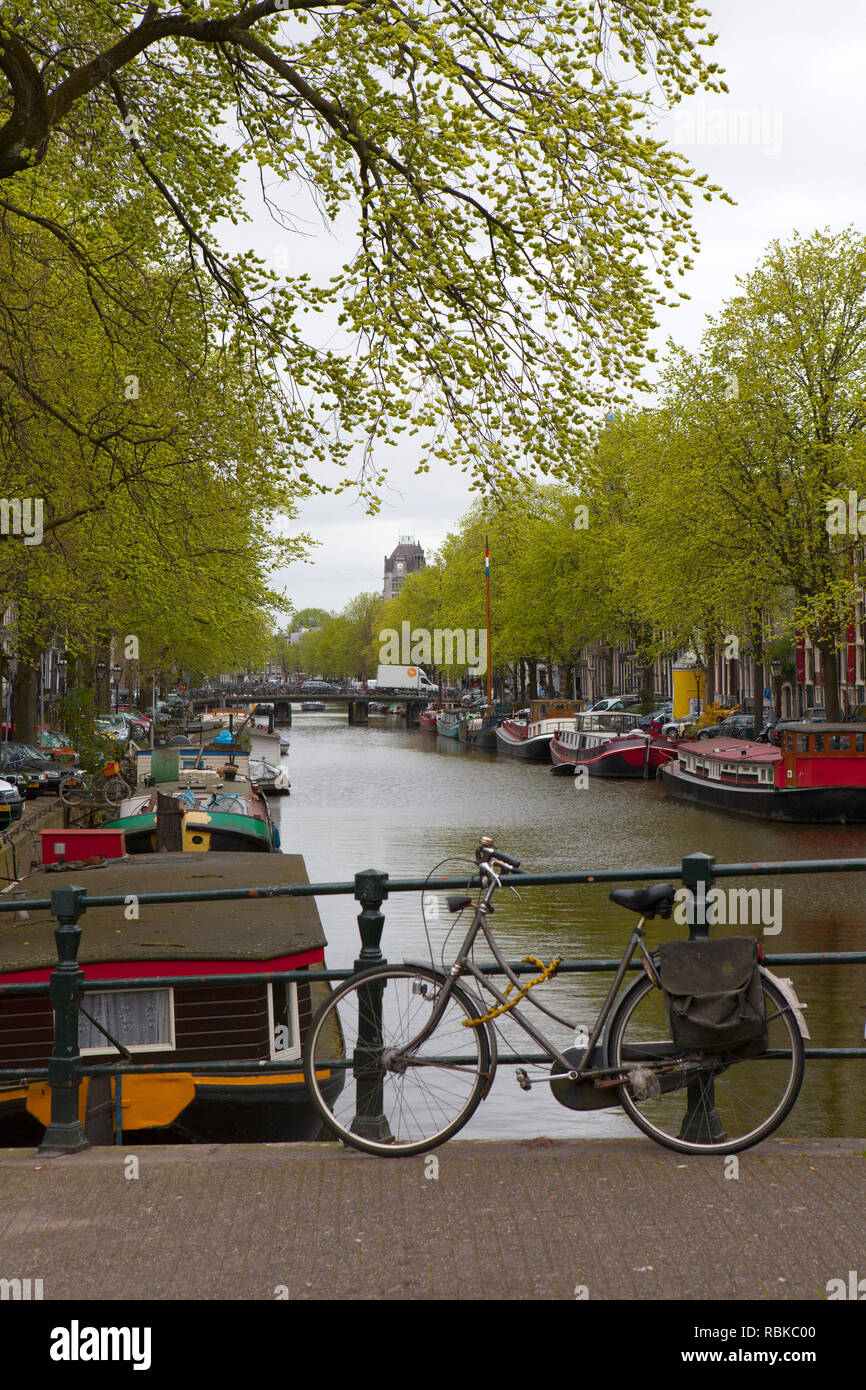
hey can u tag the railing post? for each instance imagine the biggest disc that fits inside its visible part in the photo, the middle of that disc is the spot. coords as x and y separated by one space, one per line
65 1133
698 877
701 1122
371 889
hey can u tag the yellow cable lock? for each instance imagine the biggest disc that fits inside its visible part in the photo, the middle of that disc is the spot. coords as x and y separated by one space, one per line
547 973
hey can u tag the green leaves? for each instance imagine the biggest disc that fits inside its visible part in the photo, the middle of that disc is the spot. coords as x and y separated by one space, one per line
509 200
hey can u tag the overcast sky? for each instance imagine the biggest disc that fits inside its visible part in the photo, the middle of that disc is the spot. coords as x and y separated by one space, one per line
787 144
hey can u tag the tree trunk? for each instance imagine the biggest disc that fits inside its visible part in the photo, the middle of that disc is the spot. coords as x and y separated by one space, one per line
25 693
830 677
757 694
710 671
533 679
647 686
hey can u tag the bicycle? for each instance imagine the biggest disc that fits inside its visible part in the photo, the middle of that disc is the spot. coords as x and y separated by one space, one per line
417 1049
107 786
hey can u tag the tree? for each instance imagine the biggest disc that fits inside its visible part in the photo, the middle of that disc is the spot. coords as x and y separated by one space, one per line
776 405
517 228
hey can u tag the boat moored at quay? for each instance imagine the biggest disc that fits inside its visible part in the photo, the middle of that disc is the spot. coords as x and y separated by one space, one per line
816 775
608 745
529 738
211 1019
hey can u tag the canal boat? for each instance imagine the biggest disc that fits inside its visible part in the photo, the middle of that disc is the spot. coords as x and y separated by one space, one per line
313 706
448 723
529 737
204 810
816 775
427 720
479 731
207 1020
609 745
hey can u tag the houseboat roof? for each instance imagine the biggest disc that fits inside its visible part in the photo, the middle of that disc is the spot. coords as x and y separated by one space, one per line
232 929
731 748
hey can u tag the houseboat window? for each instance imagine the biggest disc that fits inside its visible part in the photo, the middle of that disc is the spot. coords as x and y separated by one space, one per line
802 743
283 1009
142 1019
819 743
840 743
860 743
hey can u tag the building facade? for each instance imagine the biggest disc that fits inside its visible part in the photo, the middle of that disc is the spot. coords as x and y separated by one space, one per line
406 559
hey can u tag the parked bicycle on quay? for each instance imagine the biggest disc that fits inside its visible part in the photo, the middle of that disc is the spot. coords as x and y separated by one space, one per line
703 1051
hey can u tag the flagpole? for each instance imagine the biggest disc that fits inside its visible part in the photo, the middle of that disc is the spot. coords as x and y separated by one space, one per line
487 583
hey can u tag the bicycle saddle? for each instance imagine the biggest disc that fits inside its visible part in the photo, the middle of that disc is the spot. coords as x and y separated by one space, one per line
659 898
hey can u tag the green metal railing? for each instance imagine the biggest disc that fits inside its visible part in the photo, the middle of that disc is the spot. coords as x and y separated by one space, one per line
67 984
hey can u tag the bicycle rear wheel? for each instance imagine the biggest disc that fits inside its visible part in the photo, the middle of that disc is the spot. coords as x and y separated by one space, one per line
116 789
372 1093
714 1103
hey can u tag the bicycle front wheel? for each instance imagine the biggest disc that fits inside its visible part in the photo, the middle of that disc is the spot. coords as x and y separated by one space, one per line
116 789
74 790
377 1092
712 1103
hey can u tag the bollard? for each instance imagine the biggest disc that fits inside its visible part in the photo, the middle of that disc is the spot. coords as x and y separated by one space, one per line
371 888
65 1133
701 1121
698 876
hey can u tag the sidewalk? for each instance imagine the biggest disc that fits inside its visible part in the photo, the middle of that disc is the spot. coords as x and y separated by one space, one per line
515 1220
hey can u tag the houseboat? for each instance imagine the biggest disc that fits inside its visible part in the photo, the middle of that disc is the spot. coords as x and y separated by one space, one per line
609 745
529 737
427 720
250 1021
479 731
817 774
448 723
201 811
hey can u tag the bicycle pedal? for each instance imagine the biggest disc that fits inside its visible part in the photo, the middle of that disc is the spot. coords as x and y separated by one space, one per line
523 1080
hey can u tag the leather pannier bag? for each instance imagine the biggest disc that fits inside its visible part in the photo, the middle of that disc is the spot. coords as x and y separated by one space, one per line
713 996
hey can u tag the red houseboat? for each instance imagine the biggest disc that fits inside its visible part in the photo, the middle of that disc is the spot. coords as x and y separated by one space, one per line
608 745
817 774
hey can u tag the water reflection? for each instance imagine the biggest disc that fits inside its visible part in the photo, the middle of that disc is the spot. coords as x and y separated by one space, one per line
386 798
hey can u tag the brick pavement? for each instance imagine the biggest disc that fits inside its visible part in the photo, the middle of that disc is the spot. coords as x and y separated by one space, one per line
534 1219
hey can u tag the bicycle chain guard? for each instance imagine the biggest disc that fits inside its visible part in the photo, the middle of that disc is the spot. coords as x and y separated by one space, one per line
582 1095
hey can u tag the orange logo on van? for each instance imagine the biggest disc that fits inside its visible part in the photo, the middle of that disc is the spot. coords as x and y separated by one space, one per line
411 671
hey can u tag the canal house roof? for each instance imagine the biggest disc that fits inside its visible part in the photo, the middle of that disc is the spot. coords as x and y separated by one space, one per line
233 929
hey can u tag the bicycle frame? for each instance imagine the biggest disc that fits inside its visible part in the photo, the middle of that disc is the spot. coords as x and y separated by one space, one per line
463 966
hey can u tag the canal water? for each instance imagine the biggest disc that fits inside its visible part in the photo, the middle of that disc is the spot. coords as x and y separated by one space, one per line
384 797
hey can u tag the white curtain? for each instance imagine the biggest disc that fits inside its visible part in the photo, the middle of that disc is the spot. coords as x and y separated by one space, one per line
136 1017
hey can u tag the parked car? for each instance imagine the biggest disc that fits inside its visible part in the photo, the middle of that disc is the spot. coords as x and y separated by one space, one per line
55 745
684 727
318 688
735 726
616 702
11 803
22 757
25 779
656 716
137 729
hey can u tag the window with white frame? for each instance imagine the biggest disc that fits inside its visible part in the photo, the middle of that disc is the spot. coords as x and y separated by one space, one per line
141 1019
283 1019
